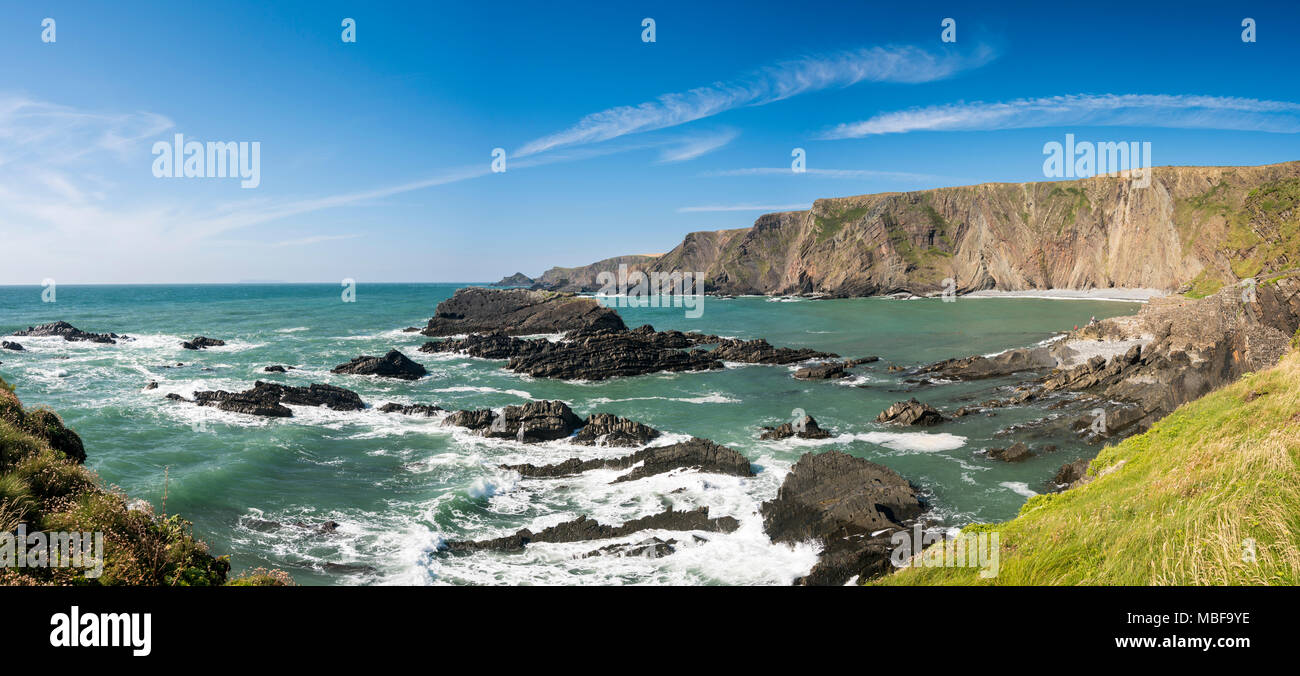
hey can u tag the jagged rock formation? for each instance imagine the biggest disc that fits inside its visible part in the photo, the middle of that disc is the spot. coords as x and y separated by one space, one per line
806 428
849 504
1194 225
1134 370
583 528
70 333
605 429
391 365
202 343
910 412
589 354
6 345
530 423
518 312
584 278
269 399
698 454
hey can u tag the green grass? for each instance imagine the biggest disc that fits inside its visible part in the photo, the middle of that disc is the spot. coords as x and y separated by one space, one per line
44 485
1205 284
1173 506
830 225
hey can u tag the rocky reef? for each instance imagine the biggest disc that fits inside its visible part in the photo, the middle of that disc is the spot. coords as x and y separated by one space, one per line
269 399
70 333
695 454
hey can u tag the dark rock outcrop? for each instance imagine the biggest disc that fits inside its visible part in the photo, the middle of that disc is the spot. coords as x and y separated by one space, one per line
532 422
806 428
761 352
425 410
698 454
70 333
827 371
910 412
277 369
6 345
1071 473
517 279
1004 364
849 504
202 343
583 528
604 429
1017 452
518 312
394 364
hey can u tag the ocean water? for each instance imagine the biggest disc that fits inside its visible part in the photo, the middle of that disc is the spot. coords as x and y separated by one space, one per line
398 485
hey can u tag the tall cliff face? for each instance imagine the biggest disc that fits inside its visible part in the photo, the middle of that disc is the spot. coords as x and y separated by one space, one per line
1197 226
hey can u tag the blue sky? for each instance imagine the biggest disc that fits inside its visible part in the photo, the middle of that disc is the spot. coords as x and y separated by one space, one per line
375 156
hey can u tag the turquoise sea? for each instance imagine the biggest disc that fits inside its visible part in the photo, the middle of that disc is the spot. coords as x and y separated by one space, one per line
397 485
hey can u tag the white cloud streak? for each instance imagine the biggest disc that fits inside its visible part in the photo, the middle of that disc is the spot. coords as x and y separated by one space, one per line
742 207
1129 110
767 85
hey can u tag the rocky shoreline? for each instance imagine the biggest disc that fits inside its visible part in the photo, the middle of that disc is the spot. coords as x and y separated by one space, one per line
1109 379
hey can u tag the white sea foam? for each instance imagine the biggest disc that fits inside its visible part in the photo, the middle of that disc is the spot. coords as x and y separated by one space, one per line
1019 488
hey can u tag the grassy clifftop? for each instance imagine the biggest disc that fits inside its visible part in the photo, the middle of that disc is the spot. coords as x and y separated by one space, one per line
44 485
1178 505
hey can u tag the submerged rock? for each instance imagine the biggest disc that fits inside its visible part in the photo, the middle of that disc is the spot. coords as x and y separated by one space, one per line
697 454
806 428
70 333
604 429
202 343
277 369
910 412
583 528
391 365
849 504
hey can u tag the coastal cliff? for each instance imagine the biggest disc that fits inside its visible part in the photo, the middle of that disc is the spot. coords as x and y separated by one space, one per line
1192 229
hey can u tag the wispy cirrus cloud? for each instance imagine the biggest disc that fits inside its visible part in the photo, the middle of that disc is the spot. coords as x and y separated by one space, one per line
692 147
855 174
1177 111
905 64
742 207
